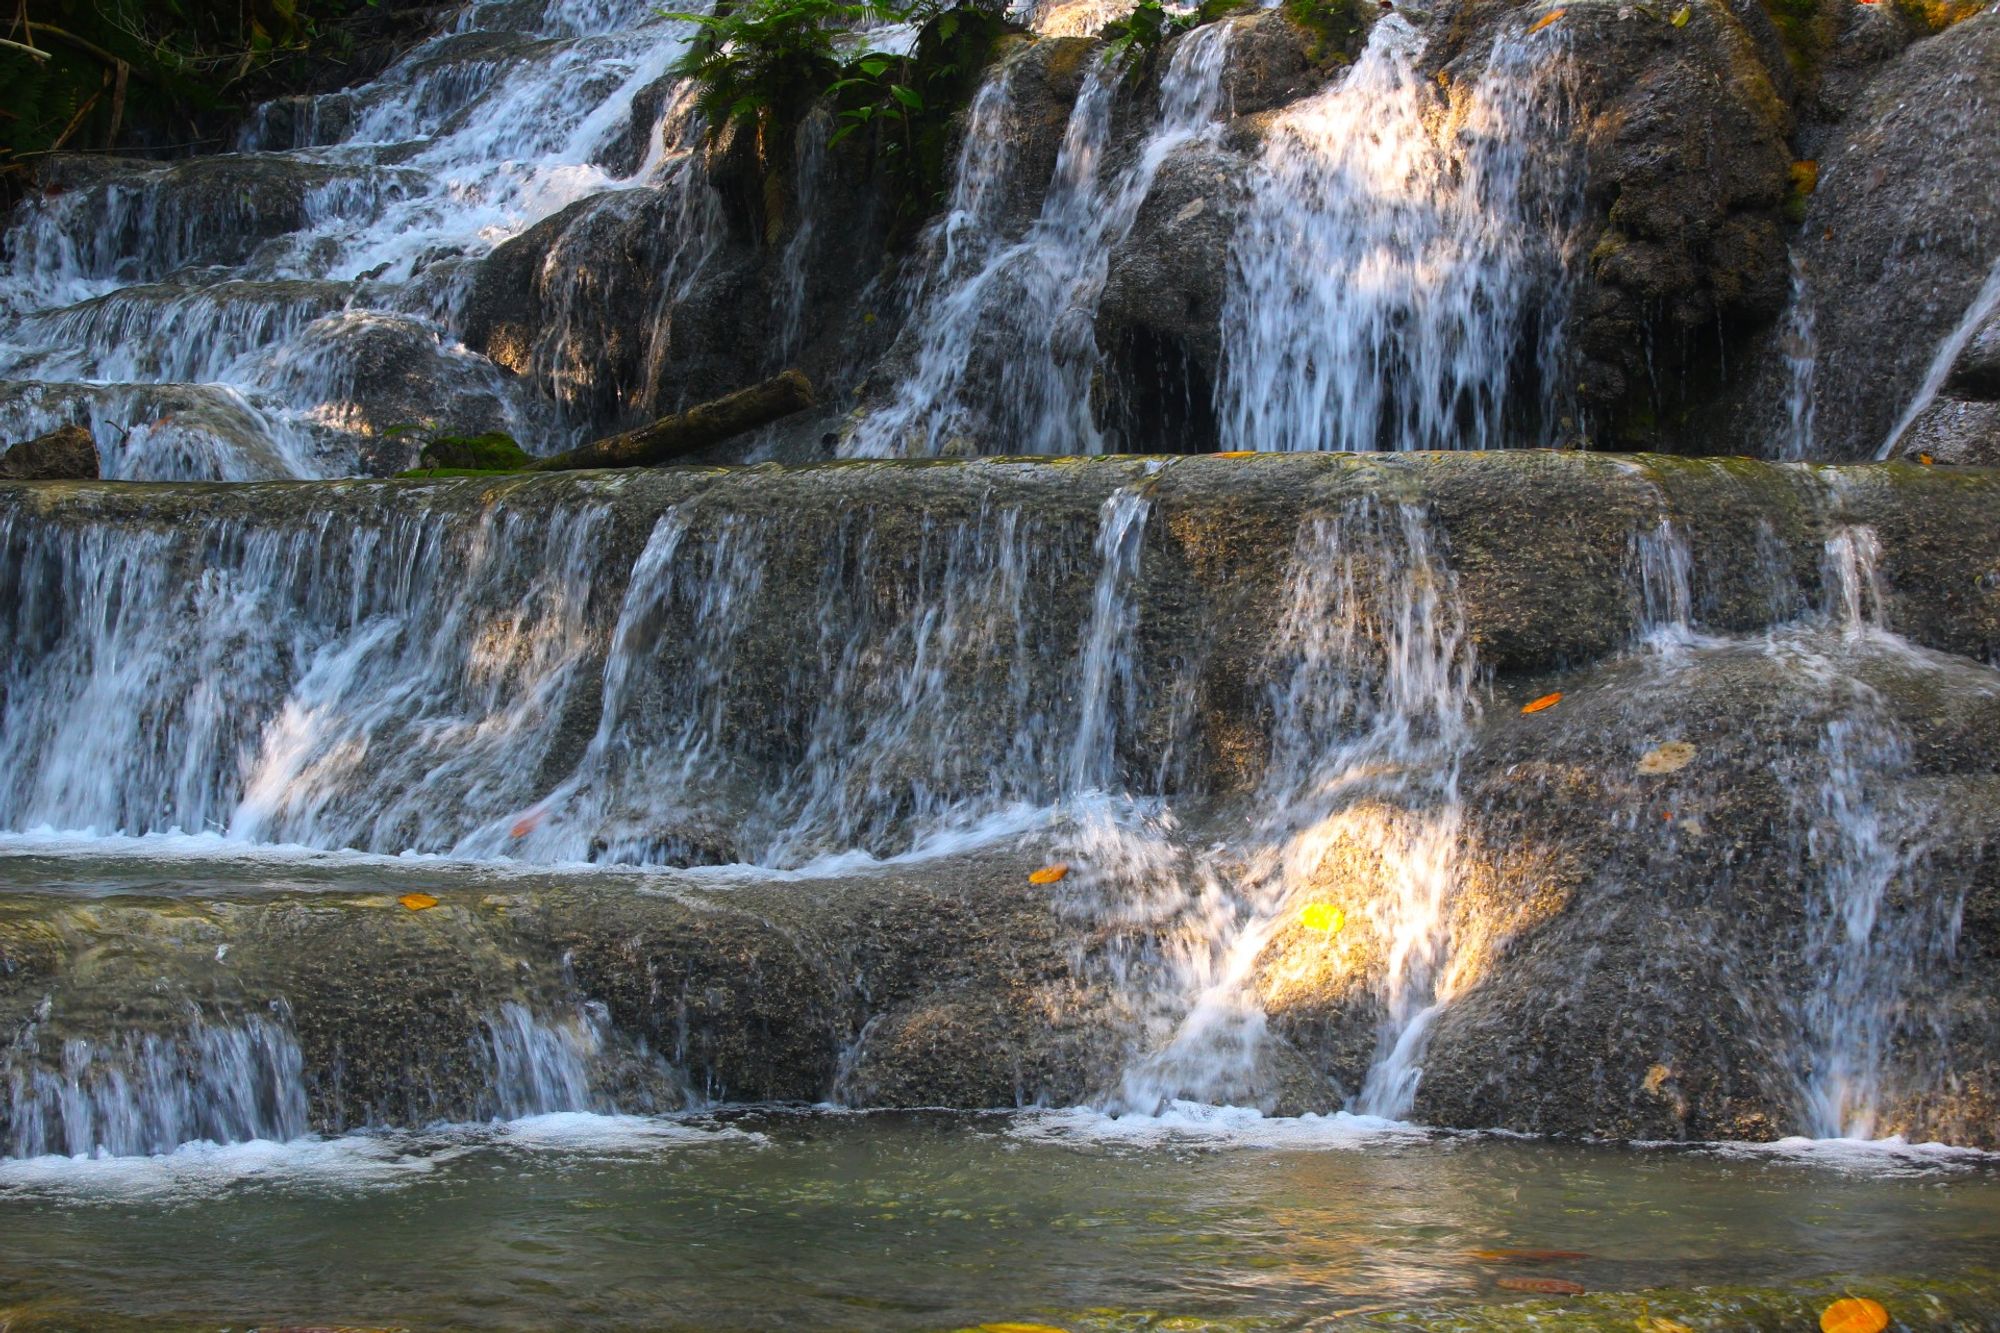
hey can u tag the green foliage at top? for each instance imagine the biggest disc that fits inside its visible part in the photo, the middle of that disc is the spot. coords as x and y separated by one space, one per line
1337 28
1137 38
93 74
761 65
762 61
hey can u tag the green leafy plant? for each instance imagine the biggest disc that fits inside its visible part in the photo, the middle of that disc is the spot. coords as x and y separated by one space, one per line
762 65
1136 40
97 73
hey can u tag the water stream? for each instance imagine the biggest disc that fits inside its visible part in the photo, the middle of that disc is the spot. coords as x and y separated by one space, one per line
249 316
1386 288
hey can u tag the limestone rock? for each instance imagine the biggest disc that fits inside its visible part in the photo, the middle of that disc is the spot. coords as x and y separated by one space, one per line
67 454
1897 240
1687 169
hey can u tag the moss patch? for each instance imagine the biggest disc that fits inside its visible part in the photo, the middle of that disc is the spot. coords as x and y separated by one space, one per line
1337 28
491 452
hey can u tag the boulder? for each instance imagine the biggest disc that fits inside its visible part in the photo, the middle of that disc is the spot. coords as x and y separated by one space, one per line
1897 240
1159 321
1976 373
65 454
1687 170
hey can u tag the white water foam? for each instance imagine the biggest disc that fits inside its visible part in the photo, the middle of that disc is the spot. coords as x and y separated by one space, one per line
1384 285
1184 1124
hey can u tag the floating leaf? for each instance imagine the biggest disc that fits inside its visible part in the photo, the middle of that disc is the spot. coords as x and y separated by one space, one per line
1528 1256
1049 874
418 902
1545 20
1669 758
529 821
1681 16
1323 917
1546 701
1543 1286
1854 1314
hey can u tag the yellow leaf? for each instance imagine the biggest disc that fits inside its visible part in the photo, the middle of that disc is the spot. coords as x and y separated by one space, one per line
1682 15
1239 453
1926 459
418 902
1545 20
1546 701
1669 758
1324 917
1021 1328
1049 874
1652 1323
1854 1314
1805 175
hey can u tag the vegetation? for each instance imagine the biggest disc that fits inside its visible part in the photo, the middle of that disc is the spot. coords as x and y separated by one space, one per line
763 65
1138 36
491 452
1337 27
104 74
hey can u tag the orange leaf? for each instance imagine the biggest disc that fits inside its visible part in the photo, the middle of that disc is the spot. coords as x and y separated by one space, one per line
1239 453
1854 1314
1926 459
528 822
1546 1286
418 902
1528 1256
1049 874
1546 701
1805 175
1546 19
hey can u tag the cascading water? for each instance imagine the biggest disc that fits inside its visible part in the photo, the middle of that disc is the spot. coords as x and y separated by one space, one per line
1371 701
1004 352
151 1092
1985 304
1858 848
1799 343
1105 659
262 288
1386 289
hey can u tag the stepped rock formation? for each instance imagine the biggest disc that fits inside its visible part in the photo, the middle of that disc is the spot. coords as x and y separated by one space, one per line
1385 762
1616 945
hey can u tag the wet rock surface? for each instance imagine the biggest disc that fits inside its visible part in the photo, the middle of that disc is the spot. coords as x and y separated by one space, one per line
67 454
1895 244
1639 942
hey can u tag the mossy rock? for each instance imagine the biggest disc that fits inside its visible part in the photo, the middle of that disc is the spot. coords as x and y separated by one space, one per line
456 455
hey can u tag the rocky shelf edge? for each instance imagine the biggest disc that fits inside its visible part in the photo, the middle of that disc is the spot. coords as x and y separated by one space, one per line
1637 962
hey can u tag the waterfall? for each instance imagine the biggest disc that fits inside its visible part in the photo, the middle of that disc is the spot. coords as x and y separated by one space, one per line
1985 304
366 682
1372 703
149 1092
1385 289
1106 657
1005 351
1855 846
334 248
1665 575
1799 342
541 1065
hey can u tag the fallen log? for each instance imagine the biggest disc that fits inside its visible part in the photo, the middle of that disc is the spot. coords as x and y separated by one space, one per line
698 427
